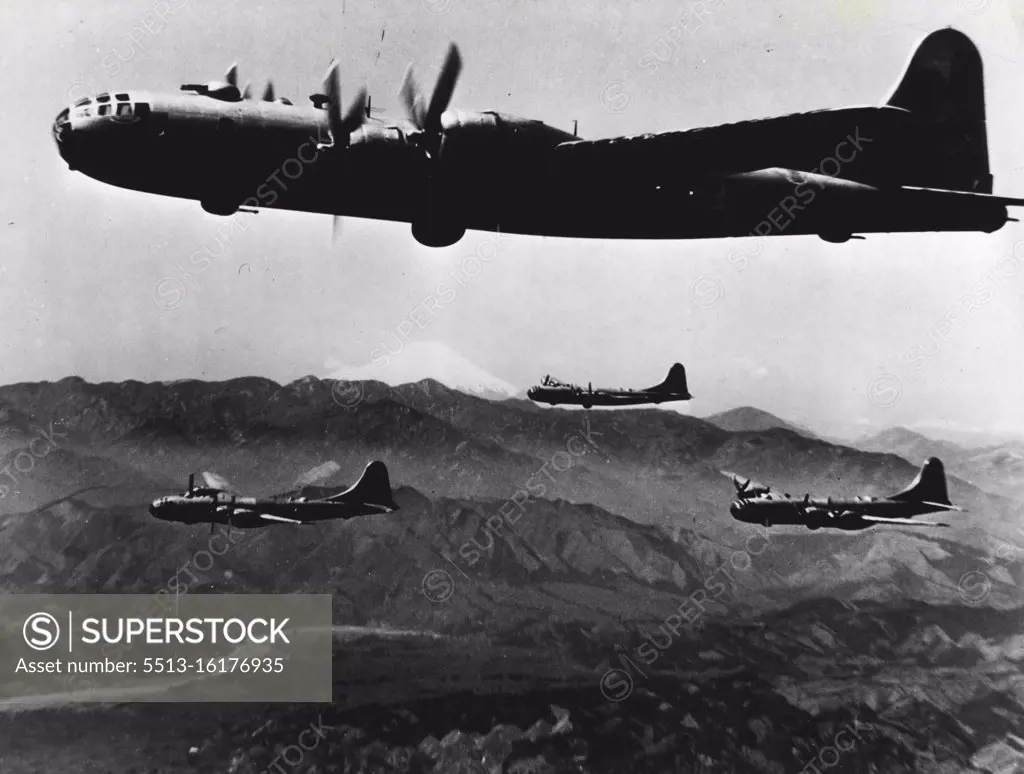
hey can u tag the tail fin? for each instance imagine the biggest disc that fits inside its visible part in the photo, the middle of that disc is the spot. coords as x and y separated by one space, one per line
929 486
944 87
373 488
675 382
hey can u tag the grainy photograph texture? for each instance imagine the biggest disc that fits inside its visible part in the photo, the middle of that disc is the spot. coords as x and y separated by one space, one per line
585 386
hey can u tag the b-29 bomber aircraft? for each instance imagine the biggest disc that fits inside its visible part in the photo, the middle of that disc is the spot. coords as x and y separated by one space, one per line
552 392
217 502
916 163
756 504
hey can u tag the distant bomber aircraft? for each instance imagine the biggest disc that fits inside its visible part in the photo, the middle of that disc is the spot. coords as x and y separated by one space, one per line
918 162
926 494
217 503
554 392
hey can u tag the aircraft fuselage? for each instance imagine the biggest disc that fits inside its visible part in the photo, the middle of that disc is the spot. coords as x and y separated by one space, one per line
826 173
245 512
814 514
600 397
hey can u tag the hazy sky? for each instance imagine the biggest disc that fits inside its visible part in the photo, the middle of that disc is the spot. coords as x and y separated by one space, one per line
812 331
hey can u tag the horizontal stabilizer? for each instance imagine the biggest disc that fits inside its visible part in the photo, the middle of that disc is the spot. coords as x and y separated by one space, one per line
908 522
281 519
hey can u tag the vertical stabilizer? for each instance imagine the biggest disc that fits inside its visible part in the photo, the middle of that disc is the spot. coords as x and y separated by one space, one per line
944 87
372 488
928 486
674 383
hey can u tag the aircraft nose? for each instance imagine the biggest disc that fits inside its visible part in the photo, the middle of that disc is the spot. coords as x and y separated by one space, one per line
62 131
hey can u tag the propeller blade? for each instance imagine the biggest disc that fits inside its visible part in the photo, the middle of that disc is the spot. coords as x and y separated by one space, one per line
318 473
231 76
355 115
212 525
332 89
342 126
336 228
247 91
412 99
268 92
443 89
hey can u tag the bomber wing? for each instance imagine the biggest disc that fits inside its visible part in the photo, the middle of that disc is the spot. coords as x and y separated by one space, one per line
280 519
908 522
944 506
797 141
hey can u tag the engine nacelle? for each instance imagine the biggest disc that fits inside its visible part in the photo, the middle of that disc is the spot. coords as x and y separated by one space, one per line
838 237
222 90
219 208
434 232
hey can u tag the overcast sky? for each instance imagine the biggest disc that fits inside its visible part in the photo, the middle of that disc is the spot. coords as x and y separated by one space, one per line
814 332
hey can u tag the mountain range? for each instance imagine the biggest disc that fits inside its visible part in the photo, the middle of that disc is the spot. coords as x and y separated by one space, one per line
632 520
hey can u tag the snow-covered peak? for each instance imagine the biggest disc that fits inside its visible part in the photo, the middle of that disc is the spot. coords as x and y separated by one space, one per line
429 360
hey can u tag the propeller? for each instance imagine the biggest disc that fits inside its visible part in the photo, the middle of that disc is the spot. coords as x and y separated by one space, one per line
740 488
216 481
427 117
268 92
318 473
341 125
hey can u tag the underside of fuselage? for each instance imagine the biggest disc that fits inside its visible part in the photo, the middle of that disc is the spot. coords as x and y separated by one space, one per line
529 197
604 398
823 514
